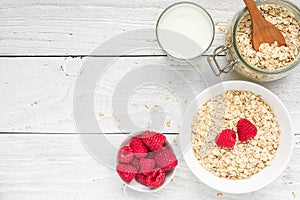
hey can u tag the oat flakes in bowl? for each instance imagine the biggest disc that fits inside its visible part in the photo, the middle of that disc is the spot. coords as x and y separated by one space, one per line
249 165
223 112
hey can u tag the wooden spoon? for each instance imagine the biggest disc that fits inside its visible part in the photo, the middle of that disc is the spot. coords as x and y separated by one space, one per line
262 30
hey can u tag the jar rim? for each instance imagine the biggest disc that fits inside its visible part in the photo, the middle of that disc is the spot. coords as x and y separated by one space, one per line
286 4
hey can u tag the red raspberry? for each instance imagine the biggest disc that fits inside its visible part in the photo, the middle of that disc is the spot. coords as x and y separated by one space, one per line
151 155
153 140
125 154
126 172
166 159
140 150
146 165
246 130
135 163
141 178
165 144
156 178
226 138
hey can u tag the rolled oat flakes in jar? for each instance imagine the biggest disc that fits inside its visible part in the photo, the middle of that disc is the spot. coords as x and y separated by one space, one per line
271 62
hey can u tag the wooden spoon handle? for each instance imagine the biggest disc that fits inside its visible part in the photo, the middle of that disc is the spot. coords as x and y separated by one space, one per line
252 8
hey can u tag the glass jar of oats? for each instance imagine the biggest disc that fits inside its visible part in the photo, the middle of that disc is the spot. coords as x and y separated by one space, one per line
271 62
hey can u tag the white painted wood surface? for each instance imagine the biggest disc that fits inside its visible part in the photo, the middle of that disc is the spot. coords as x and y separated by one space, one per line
48 27
36 98
37 93
57 167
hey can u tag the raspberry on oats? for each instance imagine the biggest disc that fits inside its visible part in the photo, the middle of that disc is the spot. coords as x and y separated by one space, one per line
226 139
246 130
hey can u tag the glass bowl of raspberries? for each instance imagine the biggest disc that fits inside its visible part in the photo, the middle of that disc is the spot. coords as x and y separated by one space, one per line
146 161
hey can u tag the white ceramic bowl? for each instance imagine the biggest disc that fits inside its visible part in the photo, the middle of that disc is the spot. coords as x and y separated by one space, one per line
267 175
138 186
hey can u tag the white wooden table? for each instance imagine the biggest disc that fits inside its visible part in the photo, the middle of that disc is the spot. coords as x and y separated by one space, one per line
43 44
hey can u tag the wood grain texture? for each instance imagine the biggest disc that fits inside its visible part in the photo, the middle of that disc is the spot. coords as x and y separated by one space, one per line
77 27
58 167
37 93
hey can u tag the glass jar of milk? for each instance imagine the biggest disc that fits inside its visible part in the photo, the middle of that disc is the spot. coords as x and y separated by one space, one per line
185 31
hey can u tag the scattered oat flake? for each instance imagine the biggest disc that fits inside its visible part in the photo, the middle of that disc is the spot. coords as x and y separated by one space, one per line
146 106
172 180
178 126
135 105
116 118
175 100
169 123
186 101
155 110
217 23
175 142
101 115
167 98
219 194
294 195
120 127
221 29
148 125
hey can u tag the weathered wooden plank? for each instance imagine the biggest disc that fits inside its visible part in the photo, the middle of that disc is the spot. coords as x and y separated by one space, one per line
37 94
57 166
78 27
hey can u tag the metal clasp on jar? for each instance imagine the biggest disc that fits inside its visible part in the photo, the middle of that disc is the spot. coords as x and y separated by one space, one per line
214 64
